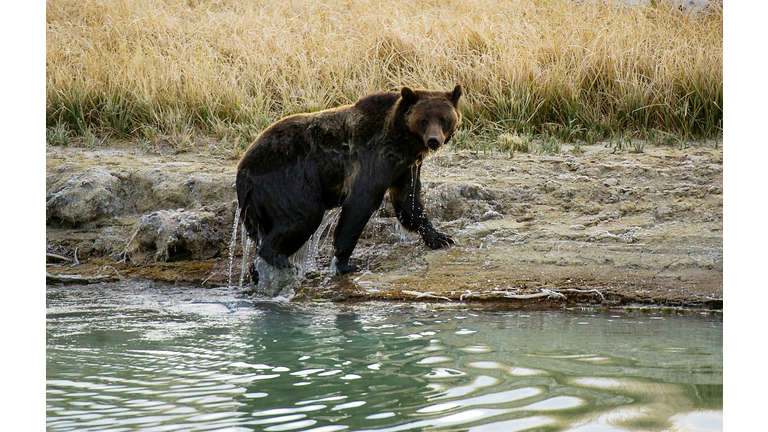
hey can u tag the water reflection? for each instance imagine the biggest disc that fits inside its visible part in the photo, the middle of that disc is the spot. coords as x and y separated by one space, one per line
141 357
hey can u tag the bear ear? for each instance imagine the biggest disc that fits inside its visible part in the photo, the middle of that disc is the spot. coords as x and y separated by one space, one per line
455 95
408 95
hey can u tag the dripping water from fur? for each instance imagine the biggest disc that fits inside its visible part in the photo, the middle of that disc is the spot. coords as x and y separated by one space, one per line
414 174
232 244
246 255
305 259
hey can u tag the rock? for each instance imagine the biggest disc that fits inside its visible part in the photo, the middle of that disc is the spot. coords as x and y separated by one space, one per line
570 165
84 197
662 213
578 227
451 201
77 195
490 214
174 235
609 182
524 218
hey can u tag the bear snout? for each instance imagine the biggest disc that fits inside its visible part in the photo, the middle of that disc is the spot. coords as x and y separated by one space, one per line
434 143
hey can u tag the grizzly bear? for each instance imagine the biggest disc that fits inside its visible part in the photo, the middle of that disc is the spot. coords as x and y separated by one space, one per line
349 156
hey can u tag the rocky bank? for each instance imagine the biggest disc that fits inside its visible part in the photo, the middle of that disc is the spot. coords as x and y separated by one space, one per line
587 226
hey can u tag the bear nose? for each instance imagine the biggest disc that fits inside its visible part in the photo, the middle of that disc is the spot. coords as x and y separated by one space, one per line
433 142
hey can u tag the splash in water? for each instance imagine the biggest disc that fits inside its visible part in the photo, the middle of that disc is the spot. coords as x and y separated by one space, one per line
282 282
402 235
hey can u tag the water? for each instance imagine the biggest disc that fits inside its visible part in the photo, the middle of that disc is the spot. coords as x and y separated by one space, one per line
157 358
305 259
232 244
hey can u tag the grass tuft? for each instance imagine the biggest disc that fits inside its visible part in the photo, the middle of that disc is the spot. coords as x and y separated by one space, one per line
57 135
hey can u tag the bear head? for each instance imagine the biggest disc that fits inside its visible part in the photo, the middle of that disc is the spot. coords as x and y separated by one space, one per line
432 116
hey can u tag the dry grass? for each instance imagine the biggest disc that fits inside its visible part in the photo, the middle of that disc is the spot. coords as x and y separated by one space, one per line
574 70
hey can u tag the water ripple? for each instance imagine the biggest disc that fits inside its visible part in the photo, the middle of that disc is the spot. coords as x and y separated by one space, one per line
328 368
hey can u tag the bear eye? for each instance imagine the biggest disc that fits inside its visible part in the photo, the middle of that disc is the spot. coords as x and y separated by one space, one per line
424 123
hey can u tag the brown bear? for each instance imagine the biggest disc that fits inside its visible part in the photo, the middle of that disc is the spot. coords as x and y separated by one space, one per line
349 156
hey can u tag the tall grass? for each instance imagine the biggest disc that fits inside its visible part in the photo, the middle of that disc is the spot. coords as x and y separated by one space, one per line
576 70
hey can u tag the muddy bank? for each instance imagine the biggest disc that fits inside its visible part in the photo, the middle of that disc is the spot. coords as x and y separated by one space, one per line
594 226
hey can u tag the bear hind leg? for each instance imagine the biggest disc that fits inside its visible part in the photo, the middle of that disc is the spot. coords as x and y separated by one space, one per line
285 240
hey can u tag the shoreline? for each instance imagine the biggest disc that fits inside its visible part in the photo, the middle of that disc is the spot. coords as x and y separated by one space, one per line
590 226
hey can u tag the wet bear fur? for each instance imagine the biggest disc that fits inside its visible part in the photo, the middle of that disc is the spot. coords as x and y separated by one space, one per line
350 156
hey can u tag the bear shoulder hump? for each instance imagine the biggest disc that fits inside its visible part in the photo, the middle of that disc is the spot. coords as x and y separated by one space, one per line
377 101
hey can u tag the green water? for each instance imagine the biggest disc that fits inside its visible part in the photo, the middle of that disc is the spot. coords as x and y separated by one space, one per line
158 358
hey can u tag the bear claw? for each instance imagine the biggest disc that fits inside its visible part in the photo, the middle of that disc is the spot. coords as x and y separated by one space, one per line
439 241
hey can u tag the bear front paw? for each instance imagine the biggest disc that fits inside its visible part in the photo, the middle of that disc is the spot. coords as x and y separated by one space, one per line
438 240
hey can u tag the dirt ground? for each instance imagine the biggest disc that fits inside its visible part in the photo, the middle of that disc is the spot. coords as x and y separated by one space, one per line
589 226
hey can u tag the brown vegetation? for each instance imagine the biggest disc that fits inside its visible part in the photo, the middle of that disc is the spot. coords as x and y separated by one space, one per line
174 71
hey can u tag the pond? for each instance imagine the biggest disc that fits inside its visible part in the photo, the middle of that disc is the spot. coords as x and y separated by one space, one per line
142 356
